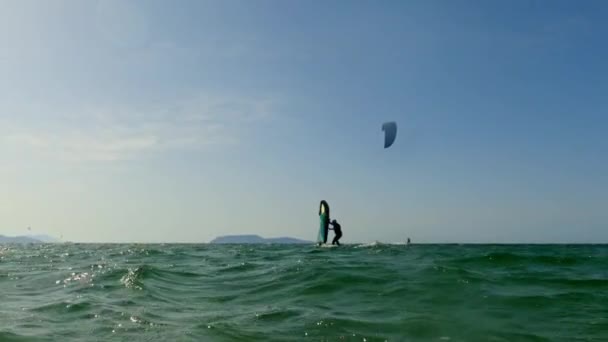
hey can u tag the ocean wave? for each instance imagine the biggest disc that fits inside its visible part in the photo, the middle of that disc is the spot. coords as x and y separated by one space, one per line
12 337
510 259
134 278
374 292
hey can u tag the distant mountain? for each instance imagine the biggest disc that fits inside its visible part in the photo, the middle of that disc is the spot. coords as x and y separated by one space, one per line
18 239
44 238
28 239
256 239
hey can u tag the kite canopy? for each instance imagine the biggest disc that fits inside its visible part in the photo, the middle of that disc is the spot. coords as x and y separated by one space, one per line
390 133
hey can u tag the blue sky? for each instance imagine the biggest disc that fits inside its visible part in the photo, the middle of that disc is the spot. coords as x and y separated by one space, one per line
156 121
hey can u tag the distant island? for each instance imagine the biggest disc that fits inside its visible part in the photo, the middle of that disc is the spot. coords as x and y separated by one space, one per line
27 239
256 239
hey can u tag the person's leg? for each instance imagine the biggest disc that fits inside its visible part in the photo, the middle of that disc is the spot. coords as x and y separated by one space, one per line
337 238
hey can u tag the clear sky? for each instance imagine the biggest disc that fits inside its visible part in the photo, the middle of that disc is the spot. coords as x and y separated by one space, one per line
177 121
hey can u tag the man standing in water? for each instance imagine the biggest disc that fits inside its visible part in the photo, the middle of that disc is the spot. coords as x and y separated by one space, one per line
337 231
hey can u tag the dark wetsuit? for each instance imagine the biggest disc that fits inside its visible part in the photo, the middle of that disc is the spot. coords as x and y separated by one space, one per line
338 232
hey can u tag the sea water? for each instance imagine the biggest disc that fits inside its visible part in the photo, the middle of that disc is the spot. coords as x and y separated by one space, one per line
375 292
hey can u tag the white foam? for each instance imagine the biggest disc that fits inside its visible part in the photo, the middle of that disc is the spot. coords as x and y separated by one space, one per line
378 243
371 244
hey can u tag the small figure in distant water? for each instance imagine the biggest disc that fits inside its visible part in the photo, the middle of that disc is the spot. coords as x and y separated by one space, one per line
337 231
408 241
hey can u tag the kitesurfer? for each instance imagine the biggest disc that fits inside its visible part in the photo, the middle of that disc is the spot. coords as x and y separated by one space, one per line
337 231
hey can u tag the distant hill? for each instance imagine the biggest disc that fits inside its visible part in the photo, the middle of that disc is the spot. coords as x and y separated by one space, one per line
28 239
256 239
18 239
44 238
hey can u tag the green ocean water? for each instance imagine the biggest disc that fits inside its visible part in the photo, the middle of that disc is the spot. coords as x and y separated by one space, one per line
110 292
